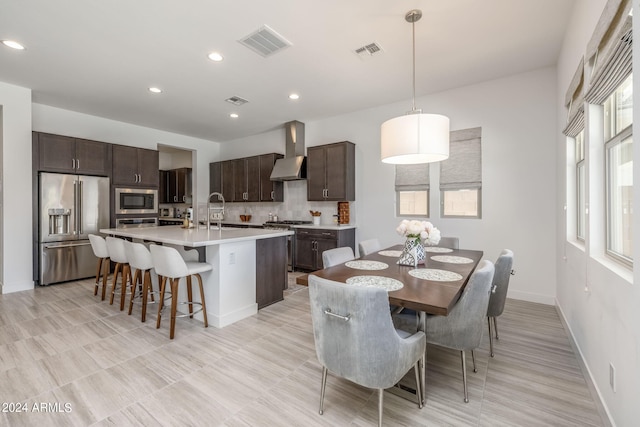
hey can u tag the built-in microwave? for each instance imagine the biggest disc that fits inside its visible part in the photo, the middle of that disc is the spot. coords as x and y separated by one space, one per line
136 201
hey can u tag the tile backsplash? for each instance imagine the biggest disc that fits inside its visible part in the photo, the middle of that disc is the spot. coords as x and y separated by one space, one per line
294 207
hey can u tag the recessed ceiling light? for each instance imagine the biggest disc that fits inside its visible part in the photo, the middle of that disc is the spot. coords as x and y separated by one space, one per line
294 96
215 56
155 90
233 115
13 44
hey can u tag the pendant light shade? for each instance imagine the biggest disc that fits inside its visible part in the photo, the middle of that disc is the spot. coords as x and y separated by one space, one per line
415 137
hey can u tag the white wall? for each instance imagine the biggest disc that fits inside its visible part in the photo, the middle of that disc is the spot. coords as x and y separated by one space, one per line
15 188
599 300
518 120
65 122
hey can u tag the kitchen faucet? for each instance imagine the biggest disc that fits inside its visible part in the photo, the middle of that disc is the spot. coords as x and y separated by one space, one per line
215 212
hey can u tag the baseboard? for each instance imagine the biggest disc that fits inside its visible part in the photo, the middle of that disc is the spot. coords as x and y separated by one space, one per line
16 287
603 410
531 297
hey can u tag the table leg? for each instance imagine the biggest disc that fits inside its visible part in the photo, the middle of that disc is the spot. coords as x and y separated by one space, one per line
422 325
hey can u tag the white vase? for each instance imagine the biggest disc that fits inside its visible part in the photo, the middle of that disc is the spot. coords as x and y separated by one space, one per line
316 220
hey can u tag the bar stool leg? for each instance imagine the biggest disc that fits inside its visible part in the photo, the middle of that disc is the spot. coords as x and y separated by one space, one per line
107 266
126 278
204 307
134 284
147 287
174 306
116 271
98 271
190 296
163 284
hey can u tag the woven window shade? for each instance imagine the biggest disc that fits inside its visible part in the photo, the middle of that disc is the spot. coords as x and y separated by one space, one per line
574 101
610 51
412 177
463 168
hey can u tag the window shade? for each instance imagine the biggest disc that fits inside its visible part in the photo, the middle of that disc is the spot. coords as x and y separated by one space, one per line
574 101
610 51
412 177
463 168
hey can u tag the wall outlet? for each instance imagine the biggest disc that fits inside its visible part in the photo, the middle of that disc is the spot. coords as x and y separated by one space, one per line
232 258
612 377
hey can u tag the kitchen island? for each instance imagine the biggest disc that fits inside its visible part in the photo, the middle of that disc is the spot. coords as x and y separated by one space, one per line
249 265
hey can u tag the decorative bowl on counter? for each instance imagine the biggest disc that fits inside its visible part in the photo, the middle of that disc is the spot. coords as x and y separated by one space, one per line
245 218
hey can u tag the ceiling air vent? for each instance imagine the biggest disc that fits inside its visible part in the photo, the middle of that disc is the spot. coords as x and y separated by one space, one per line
265 41
371 49
236 100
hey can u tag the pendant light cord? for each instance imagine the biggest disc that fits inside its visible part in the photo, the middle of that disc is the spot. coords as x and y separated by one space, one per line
413 32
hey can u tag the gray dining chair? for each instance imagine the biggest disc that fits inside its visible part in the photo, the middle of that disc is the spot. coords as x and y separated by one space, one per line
449 242
370 246
462 328
498 295
336 256
355 338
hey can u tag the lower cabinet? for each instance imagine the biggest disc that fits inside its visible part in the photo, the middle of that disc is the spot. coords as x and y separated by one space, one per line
271 270
311 243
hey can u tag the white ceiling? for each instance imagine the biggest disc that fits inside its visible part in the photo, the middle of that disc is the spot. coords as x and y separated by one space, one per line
99 57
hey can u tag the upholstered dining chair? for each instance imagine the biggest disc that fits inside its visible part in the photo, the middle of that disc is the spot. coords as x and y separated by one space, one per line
462 328
336 256
370 246
355 338
449 242
499 289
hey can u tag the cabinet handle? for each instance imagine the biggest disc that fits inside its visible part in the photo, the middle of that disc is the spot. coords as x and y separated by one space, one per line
77 163
273 195
326 234
73 163
175 198
184 198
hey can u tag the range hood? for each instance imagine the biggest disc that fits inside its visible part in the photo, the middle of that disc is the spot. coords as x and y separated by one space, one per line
294 164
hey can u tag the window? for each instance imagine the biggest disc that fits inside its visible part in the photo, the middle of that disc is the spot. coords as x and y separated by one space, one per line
618 112
412 190
461 175
581 187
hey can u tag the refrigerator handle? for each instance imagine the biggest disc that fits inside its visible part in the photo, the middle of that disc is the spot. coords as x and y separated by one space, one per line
79 208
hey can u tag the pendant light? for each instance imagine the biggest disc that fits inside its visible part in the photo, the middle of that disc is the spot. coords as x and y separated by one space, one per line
415 137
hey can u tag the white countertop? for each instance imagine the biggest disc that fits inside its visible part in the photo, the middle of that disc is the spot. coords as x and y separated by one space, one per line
326 226
195 237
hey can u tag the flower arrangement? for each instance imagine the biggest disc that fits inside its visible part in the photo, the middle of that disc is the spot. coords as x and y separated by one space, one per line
423 230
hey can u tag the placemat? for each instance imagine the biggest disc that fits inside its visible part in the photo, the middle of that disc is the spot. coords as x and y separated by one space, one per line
375 282
363 264
435 275
437 249
394 254
452 259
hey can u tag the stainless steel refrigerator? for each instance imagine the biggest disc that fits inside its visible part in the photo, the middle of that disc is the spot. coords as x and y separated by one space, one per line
71 207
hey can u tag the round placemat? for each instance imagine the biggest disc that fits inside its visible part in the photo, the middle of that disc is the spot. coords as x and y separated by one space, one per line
435 275
452 259
437 249
375 282
363 264
394 254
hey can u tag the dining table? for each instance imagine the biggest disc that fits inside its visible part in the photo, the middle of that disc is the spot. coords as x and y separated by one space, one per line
432 287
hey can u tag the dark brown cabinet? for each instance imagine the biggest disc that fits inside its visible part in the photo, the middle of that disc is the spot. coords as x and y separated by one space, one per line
57 153
178 185
331 172
136 167
311 243
271 270
246 179
270 191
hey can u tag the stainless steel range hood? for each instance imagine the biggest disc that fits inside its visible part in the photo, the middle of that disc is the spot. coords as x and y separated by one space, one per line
294 164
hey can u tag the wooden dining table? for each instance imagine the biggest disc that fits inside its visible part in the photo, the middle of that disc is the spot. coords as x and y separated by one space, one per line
424 295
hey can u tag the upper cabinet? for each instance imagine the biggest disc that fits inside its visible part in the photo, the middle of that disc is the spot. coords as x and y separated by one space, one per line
270 191
136 167
178 185
331 172
246 179
58 153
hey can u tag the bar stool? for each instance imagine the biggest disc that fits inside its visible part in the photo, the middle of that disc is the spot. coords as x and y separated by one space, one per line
169 264
117 254
99 246
140 258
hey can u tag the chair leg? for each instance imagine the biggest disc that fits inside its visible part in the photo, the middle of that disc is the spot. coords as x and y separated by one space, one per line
190 296
490 336
204 306
174 306
134 284
323 386
116 271
98 271
126 278
380 405
163 284
495 326
146 288
105 274
473 359
416 368
464 376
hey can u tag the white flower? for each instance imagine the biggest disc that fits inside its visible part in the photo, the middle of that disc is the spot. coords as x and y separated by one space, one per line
422 229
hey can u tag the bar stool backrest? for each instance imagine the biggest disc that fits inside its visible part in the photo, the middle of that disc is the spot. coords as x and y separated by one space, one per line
99 246
116 250
138 255
168 262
